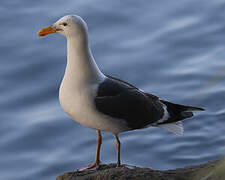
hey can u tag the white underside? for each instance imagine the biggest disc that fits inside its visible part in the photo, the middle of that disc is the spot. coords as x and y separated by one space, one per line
175 127
79 105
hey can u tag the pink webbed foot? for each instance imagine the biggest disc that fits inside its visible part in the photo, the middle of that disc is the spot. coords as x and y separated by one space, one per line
90 167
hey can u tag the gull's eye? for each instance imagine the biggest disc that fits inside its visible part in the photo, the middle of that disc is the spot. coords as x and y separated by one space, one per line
64 24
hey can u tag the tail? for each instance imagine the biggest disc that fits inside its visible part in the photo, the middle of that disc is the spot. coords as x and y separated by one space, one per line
176 113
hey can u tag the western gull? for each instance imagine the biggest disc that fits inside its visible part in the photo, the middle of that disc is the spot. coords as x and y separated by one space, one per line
103 102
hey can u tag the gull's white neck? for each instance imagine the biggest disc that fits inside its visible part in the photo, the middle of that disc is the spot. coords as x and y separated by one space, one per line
81 68
79 82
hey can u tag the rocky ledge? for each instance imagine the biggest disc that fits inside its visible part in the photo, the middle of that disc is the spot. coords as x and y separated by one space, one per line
210 171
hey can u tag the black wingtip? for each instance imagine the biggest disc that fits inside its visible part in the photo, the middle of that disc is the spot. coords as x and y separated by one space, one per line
197 109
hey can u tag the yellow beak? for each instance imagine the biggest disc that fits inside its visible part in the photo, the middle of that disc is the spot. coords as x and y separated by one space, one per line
47 30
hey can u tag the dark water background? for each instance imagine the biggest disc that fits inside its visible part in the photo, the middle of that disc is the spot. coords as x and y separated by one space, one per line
174 49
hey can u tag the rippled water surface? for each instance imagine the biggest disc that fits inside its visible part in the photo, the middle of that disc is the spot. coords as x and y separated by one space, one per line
173 49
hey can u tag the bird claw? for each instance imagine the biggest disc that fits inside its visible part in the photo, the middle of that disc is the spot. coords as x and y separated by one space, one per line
129 166
90 167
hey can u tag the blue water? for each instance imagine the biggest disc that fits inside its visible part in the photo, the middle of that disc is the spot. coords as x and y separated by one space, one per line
173 49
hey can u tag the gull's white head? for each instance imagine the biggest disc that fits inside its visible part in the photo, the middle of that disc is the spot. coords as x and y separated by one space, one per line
69 26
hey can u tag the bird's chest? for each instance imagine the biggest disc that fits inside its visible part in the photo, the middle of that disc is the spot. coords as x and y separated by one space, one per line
78 102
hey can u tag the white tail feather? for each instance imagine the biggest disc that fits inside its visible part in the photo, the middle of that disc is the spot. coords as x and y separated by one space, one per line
175 127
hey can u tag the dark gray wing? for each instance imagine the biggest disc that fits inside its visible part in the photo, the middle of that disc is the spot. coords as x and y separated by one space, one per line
121 100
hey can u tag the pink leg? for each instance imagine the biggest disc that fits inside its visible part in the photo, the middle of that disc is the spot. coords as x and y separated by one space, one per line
96 164
118 151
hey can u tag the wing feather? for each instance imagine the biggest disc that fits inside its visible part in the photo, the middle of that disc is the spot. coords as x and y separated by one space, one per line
119 100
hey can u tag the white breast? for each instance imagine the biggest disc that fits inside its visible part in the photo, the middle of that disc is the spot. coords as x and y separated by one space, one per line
78 103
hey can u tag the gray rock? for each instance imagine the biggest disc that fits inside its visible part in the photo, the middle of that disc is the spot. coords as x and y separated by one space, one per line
210 171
